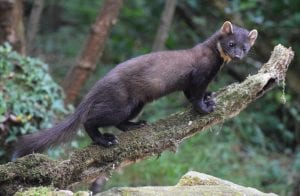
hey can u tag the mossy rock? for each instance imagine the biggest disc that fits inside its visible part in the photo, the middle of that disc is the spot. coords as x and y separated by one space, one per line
192 183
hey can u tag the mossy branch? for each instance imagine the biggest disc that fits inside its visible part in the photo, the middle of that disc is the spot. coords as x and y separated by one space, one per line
92 161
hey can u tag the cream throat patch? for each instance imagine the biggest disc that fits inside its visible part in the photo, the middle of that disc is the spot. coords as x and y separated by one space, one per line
226 58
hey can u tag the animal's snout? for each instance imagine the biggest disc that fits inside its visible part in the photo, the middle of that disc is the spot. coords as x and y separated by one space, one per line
237 57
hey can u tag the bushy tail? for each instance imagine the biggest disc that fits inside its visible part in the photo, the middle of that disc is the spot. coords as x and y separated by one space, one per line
40 141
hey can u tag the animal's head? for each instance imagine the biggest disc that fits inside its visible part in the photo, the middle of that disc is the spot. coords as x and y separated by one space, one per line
235 42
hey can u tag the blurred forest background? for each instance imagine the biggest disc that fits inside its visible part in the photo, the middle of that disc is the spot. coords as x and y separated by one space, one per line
258 148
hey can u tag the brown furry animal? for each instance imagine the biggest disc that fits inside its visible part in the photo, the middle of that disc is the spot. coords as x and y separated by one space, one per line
121 94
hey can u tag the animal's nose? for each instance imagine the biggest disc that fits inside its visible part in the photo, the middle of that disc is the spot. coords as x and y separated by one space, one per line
237 57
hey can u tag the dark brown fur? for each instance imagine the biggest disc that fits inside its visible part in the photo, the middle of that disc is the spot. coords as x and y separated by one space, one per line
120 95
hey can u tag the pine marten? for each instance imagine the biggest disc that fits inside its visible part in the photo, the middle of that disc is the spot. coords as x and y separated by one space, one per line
121 94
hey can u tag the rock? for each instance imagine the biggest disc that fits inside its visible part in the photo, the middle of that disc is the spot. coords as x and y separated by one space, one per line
68 193
193 178
171 191
83 193
61 193
192 183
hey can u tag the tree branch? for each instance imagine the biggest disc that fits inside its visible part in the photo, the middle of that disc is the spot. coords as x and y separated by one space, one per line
33 24
164 26
11 24
92 50
86 164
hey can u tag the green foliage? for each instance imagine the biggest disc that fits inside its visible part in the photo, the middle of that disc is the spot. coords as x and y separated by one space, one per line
78 11
297 161
29 99
35 191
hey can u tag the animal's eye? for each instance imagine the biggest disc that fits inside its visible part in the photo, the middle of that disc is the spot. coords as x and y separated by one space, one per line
244 49
231 44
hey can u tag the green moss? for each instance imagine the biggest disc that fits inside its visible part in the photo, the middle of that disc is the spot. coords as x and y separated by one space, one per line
35 191
193 181
49 191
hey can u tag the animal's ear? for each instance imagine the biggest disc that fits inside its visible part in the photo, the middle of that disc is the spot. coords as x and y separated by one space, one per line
252 36
227 28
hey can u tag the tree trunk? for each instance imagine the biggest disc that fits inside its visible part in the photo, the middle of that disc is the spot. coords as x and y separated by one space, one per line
33 24
11 24
92 49
89 163
164 26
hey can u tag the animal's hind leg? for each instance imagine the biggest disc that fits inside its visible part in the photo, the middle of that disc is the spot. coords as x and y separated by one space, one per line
128 125
103 115
105 139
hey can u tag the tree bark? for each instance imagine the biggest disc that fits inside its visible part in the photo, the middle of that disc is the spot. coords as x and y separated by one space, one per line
11 24
164 26
92 49
89 163
33 24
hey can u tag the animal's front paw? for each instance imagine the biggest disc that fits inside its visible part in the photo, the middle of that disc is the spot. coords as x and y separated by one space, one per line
209 96
206 106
